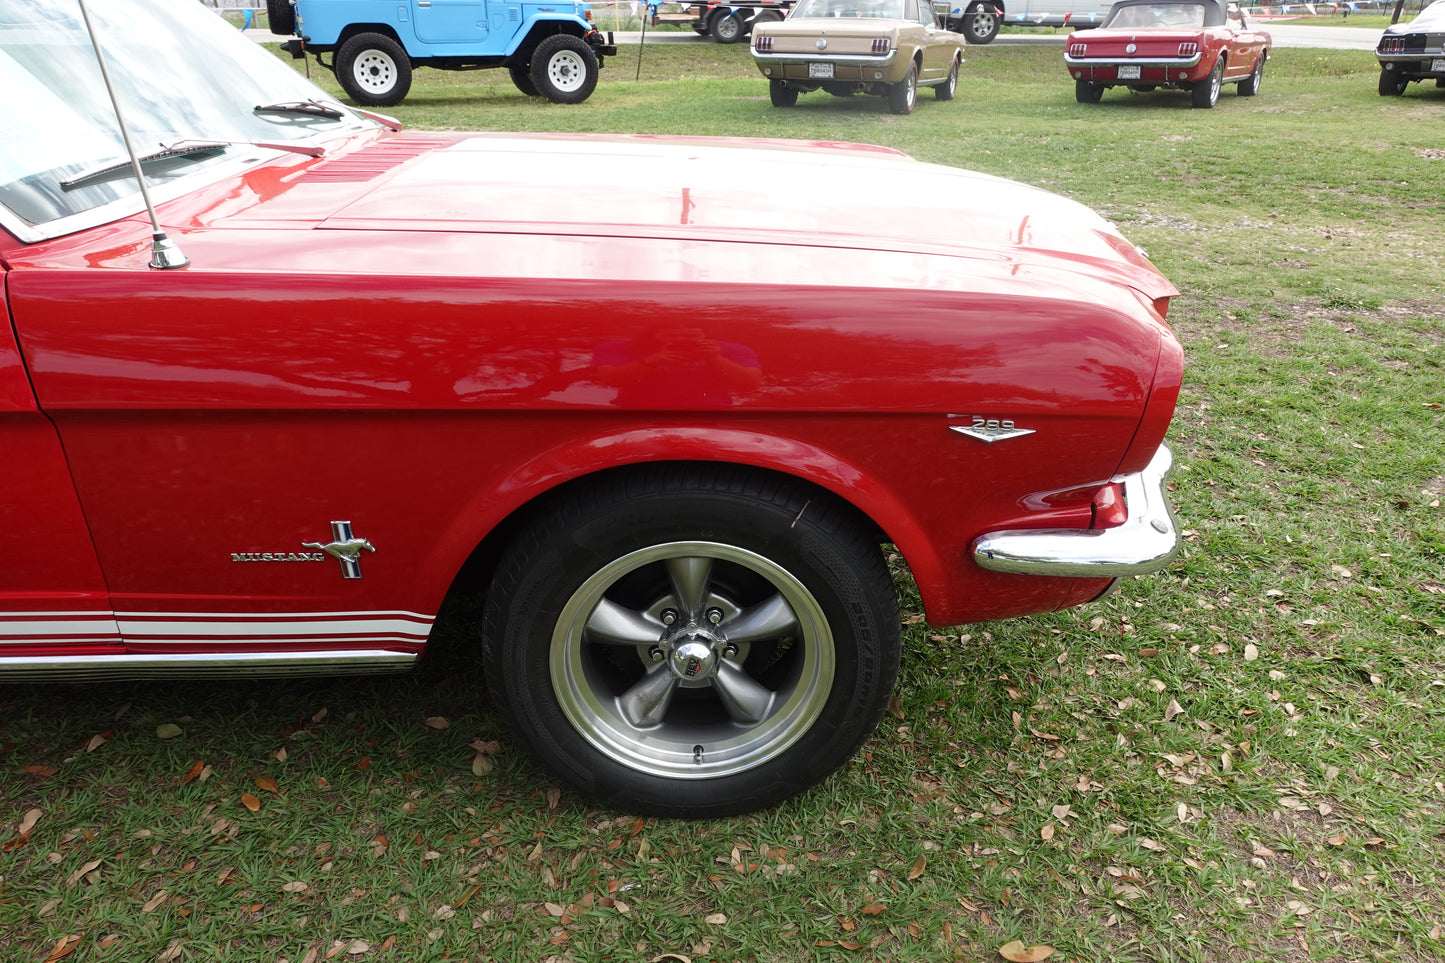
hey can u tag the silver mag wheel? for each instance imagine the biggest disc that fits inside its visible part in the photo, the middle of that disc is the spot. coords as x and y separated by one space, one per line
904 94
374 70
564 69
1206 92
692 643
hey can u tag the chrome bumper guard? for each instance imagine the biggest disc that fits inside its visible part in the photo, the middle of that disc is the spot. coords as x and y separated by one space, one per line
1145 543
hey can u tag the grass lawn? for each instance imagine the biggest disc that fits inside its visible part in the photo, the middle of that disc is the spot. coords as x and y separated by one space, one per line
1238 759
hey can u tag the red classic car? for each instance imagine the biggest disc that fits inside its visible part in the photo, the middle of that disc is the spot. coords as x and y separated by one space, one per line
1193 45
263 417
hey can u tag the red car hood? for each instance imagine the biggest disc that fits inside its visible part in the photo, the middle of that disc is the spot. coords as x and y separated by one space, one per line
692 189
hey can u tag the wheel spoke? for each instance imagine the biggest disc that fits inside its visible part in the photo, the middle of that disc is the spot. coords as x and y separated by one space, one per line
646 703
615 625
746 700
690 576
773 618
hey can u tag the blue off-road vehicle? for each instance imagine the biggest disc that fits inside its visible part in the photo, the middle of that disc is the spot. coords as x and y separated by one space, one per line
551 49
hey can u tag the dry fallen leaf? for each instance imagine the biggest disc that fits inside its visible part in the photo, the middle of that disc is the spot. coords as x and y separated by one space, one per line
481 765
167 730
1153 844
1016 952
99 739
75 877
170 953
716 919
28 821
437 722
155 901
873 909
1172 710
1251 652
63 947
196 768
1047 833
919 865
268 784
250 802
295 886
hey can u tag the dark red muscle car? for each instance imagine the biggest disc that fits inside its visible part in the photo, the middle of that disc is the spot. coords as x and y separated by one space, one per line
350 368
1193 45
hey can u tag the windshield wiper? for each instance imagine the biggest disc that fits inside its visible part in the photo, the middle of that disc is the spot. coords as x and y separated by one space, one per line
181 148
310 107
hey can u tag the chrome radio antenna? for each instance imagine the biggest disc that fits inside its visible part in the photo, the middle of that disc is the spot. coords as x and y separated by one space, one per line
164 252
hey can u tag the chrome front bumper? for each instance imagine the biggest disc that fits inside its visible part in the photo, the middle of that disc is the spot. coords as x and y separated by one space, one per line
1145 543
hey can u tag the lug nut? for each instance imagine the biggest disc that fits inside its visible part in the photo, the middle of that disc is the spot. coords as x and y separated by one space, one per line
714 616
668 616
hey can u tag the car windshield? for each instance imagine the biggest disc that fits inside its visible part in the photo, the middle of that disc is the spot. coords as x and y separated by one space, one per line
851 9
1156 16
1432 18
182 74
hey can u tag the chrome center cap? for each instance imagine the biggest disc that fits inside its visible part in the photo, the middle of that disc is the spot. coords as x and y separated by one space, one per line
693 660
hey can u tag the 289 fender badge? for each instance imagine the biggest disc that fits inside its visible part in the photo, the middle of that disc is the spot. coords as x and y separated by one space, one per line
989 430
345 548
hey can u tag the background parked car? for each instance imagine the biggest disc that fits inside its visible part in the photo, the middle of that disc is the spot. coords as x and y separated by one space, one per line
980 20
884 47
550 50
1193 45
1413 51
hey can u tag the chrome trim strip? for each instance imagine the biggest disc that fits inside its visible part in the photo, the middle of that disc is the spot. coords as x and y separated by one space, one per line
1132 61
1145 543
83 668
131 628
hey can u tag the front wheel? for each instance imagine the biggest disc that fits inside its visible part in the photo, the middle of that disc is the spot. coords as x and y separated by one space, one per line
949 88
1249 86
781 94
694 644
374 70
981 22
904 94
280 17
564 69
1206 93
1087 92
1392 83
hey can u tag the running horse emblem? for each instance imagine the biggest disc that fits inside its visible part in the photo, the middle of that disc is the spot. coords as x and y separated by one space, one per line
345 547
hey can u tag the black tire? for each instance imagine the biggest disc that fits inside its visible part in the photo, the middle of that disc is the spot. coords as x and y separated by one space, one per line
374 70
949 88
781 94
602 651
522 80
904 94
1087 92
981 22
727 27
564 69
1206 93
767 16
280 17
1249 86
1392 83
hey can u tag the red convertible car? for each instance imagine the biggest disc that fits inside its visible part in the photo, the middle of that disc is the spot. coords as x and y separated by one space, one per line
263 416
1193 45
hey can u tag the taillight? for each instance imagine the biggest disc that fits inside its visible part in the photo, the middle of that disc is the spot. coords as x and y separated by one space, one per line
763 44
880 45
1077 49
1188 49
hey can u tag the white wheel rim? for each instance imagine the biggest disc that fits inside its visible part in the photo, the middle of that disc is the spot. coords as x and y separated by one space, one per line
567 70
597 636
374 71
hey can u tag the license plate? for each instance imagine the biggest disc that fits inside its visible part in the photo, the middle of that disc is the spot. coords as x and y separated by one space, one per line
1129 72
1437 65
821 71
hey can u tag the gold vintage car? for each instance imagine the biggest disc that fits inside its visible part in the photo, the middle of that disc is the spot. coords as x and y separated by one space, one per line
886 47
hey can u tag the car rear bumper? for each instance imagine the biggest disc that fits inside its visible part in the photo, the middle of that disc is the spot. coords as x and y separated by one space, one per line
1144 543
